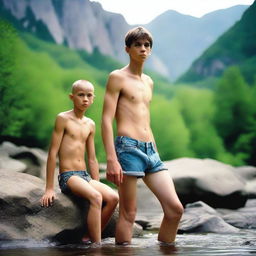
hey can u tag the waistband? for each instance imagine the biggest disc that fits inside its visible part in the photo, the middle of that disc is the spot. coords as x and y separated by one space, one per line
72 172
134 142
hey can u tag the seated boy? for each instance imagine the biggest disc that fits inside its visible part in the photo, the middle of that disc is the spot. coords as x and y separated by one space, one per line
72 137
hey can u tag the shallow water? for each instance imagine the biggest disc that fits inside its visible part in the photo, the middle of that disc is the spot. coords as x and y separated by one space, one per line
243 243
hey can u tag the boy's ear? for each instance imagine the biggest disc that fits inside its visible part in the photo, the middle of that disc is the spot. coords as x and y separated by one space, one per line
71 96
127 49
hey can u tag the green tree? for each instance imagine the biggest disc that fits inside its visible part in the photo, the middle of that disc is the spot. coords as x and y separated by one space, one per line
170 132
233 108
246 143
197 108
10 98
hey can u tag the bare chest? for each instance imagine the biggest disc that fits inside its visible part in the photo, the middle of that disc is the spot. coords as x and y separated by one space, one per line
78 131
137 92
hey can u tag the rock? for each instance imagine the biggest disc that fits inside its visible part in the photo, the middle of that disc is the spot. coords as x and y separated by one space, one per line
201 218
33 158
249 174
22 217
11 165
93 25
243 218
207 180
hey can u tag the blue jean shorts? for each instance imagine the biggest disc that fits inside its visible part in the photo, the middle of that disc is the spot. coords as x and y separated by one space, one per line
64 176
137 158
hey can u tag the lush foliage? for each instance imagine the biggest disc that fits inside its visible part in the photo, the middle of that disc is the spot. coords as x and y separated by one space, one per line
35 80
235 115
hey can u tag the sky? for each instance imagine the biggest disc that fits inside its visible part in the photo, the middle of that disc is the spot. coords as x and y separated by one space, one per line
144 11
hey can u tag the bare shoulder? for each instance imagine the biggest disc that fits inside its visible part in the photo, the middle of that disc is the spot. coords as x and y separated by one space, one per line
148 80
90 123
116 77
118 73
63 116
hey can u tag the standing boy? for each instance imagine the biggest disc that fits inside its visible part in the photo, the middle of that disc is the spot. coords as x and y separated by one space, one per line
134 154
72 137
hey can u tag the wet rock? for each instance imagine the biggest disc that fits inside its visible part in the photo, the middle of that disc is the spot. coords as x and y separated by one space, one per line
201 218
207 180
244 218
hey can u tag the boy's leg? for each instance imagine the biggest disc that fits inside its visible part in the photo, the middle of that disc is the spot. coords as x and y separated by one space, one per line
127 209
161 184
82 188
110 197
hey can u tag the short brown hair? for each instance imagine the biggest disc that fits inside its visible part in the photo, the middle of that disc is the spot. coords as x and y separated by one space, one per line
136 34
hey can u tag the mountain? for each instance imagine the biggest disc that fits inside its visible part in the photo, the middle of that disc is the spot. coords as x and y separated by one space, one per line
179 39
82 24
235 47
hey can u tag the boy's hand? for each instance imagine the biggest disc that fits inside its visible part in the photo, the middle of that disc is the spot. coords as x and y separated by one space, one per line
114 172
47 198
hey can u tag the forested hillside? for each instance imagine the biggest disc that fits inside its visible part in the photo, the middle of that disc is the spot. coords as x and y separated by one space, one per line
235 47
35 80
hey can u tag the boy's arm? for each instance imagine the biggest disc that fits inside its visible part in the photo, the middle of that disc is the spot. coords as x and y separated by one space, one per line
151 85
114 170
91 155
49 195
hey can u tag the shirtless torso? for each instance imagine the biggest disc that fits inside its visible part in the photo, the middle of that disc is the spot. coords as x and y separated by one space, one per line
72 148
133 95
132 115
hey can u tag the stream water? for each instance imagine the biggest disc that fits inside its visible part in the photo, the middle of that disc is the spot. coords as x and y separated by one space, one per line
243 243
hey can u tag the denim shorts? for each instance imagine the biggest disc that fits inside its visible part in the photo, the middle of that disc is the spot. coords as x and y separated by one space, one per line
64 176
137 158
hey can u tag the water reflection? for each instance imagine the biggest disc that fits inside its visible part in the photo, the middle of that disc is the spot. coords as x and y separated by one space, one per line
168 250
186 245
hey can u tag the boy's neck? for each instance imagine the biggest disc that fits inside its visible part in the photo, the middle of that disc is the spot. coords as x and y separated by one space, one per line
78 113
136 68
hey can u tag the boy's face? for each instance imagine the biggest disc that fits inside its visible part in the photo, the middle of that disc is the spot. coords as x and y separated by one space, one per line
139 50
82 96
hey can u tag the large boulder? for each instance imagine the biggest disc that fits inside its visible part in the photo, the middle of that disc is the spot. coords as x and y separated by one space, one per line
207 180
22 217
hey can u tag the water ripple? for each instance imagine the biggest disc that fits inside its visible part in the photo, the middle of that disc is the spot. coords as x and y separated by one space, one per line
241 244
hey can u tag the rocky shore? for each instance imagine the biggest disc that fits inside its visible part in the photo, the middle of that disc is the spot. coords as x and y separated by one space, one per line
217 197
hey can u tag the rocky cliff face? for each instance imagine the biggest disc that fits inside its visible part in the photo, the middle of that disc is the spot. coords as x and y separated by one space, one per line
80 24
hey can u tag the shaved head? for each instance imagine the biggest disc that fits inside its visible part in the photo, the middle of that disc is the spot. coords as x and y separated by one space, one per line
81 84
